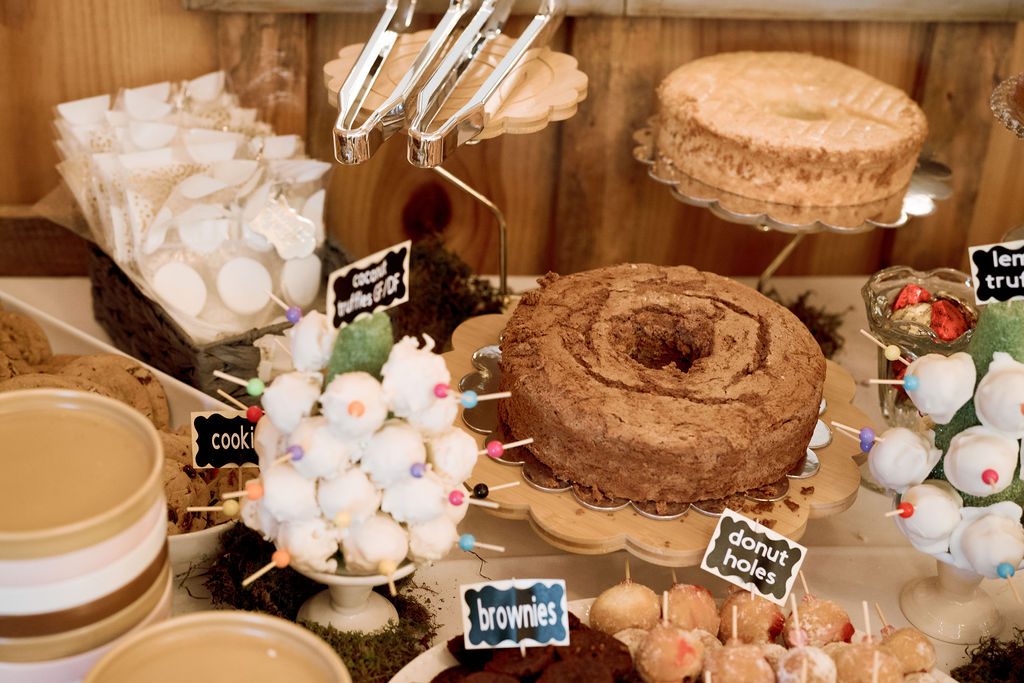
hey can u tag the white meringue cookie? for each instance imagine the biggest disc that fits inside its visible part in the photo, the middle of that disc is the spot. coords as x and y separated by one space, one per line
436 417
945 383
323 454
937 508
351 492
354 403
290 397
416 499
255 516
311 341
430 541
410 375
453 454
1000 395
988 537
901 458
975 450
391 452
311 544
373 541
268 442
287 495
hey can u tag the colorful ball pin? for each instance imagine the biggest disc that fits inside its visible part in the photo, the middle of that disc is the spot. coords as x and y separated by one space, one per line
295 452
418 469
342 519
468 399
1005 570
254 490
441 390
253 413
906 510
910 382
293 314
467 542
891 352
481 490
495 449
990 477
455 497
356 409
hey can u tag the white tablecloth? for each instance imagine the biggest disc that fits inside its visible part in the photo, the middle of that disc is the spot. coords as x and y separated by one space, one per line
854 556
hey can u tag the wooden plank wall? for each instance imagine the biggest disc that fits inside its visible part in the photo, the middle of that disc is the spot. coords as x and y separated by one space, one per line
573 195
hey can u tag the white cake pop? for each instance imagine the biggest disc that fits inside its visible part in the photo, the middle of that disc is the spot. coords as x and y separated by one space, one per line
311 544
453 453
372 541
415 499
457 513
1000 396
268 442
255 516
410 375
350 492
980 461
935 514
430 541
311 341
901 458
354 404
944 384
435 418
287 495
391 452
290 397
988 537
323 454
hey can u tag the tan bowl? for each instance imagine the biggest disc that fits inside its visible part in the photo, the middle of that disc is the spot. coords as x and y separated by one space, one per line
83 535
217 646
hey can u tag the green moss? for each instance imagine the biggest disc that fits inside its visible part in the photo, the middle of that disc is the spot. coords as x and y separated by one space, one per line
370 658
362 345
994 660
823 325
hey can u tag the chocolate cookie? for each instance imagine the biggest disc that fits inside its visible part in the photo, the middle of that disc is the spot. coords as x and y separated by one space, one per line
55 362
157 397
42 380
474 659
22 338
107 370
10 367
587 643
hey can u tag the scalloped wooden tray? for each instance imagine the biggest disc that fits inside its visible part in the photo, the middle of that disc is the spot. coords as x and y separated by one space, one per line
545 87
566 524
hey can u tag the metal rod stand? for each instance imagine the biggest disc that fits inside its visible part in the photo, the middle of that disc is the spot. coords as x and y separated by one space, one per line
762 281
502 227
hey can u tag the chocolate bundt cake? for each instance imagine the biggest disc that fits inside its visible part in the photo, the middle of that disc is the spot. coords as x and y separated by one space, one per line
659 383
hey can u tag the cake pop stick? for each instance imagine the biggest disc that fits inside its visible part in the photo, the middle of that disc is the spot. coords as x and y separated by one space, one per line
707 676
482 490
458 498
627 569
230 508
874 667
867 622
799 638
909 382
1006 571
252 413
803 582
253 387
468 542
890 351
292 314
904 510
495 448
803 670
469 398
277 340
279 559
253 491
292 454
388 569
865 435
734 622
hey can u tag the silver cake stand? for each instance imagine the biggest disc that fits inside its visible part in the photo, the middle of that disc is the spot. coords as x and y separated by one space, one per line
930 182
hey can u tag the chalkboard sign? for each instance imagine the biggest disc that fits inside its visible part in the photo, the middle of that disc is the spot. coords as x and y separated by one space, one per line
223 439
522 612
997 271
375 283
753 556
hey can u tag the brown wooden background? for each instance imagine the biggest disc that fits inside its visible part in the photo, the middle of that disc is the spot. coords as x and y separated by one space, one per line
573 195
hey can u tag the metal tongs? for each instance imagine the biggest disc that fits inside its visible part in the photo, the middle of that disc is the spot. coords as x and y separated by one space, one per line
354 144
428 148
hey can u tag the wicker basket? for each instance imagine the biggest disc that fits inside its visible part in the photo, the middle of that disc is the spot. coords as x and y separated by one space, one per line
142 328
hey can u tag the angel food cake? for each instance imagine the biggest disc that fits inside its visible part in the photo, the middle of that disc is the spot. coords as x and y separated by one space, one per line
659 384
789 128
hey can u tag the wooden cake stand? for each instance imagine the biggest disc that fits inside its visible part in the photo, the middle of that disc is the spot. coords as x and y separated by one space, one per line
545 87
561 521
